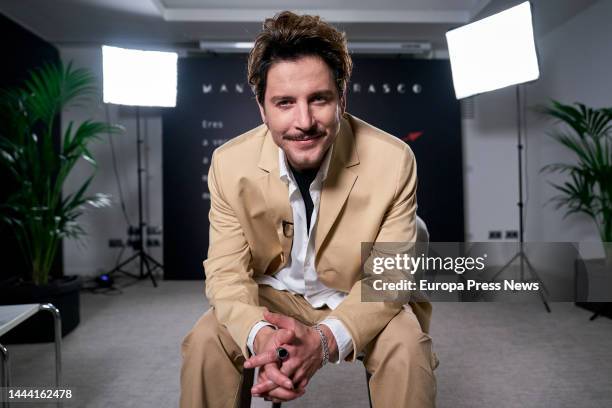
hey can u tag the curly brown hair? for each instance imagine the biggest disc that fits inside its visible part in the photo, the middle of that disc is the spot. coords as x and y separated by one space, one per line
288 36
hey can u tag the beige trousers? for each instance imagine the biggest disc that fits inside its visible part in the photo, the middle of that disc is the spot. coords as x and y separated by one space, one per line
400 358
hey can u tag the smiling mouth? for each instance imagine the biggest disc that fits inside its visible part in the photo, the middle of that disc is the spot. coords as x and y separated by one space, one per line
304 138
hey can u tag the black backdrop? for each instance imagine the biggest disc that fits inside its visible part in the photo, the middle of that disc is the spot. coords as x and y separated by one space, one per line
22 51
411 99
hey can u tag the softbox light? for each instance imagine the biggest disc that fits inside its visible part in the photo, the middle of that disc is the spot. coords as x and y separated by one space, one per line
494 52
139 78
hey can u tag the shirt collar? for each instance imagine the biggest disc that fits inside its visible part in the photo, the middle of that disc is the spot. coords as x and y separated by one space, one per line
286 175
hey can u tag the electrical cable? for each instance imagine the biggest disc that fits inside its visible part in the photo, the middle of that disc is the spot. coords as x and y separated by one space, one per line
92 286
116 172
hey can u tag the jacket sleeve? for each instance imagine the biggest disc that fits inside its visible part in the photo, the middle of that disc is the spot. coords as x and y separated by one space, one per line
365 320
230 287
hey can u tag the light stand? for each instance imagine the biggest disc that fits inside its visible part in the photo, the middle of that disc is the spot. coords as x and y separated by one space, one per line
493 53
139 78
521 255
144 259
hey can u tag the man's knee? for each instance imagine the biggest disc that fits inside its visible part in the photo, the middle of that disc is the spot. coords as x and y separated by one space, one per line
403 344
208 338
415 352
201 334
212 365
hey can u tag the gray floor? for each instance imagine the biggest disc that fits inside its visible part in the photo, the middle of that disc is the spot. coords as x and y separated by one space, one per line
125 353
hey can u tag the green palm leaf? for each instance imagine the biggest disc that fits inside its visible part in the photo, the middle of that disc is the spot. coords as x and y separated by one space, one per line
589 188
36 212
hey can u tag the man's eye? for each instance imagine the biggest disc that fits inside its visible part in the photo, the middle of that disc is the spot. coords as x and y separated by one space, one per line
283 103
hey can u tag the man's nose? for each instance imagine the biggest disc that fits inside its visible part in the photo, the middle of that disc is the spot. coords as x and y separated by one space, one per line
304 118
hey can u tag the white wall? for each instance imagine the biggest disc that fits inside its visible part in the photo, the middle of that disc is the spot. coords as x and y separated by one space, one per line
92 254
490 165
576 66
575 61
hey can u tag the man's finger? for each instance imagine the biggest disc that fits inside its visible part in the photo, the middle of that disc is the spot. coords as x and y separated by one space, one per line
279 378
266 388
285 395
279 320
261 359
263 387
266 357
280 394
290 366
302 385
262 378
299 375
284 336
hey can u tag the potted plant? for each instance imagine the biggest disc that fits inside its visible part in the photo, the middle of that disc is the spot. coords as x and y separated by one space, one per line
588 187
37 212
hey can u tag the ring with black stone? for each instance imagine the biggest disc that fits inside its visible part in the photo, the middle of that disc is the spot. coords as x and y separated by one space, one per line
282 354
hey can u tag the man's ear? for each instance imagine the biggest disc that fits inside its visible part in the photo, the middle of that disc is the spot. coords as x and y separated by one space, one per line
343 103
262 112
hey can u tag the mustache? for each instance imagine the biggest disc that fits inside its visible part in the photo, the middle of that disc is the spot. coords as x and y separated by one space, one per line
312 133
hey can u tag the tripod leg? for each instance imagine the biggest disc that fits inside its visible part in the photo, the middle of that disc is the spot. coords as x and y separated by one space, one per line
157 263
542 291
122 264
138 255
503 268
545 302
154 262
153 268
535 274
149 271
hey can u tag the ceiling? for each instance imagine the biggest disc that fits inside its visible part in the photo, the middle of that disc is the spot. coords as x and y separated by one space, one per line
181 24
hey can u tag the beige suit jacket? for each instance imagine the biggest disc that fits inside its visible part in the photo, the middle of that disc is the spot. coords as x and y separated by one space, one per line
369 195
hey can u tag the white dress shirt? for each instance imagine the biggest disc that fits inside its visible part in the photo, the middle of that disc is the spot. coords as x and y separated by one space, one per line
299 275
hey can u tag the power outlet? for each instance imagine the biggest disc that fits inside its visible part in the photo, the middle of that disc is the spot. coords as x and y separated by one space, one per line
154 230
512 234
495 234
153 242
116 243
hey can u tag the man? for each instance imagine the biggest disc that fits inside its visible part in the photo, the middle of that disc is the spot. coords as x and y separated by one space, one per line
291 202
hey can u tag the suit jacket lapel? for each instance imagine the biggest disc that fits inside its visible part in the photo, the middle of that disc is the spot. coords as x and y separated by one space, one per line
276 195
338 184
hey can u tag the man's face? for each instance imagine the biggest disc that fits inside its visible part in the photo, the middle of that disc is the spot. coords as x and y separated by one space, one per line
302 109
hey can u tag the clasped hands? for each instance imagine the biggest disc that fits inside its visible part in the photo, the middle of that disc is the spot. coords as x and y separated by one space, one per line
280 382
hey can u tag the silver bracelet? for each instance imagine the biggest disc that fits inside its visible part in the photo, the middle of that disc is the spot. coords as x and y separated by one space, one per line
324 345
